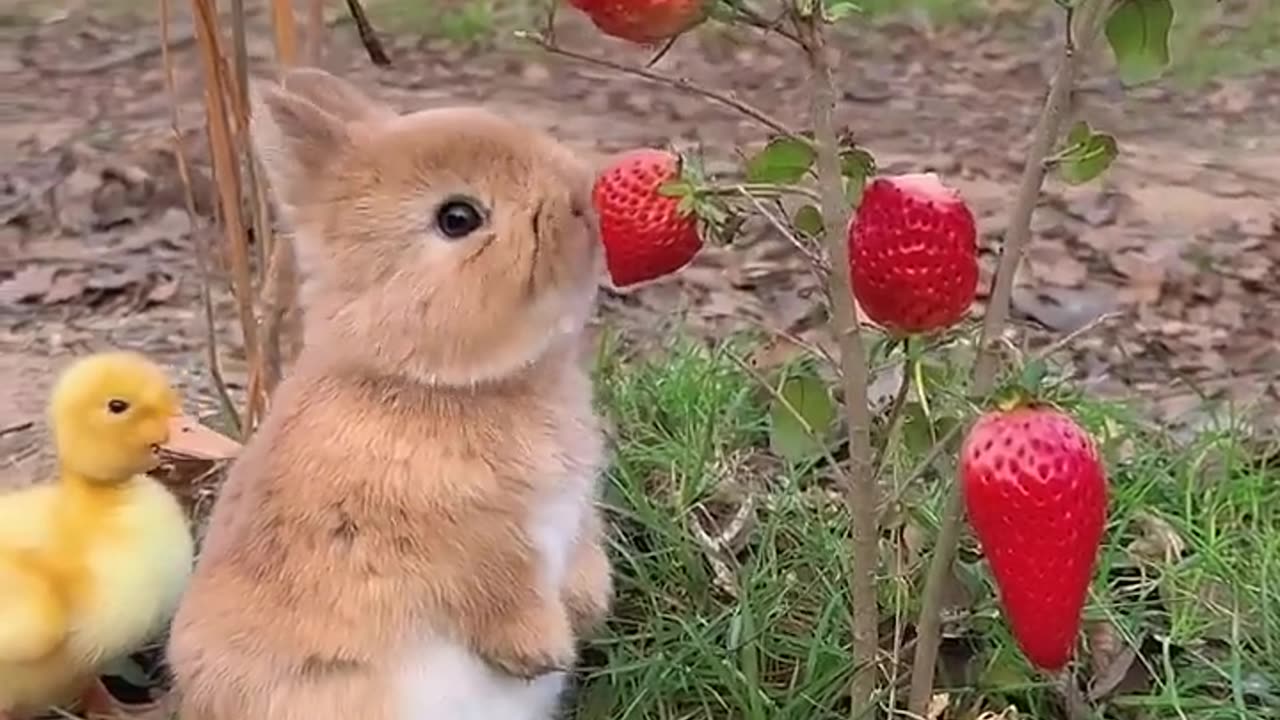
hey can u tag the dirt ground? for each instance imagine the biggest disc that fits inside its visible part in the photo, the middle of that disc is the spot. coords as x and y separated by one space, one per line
1180 240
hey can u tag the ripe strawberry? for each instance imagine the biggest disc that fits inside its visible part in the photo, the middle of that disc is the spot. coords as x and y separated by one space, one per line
646 22
1036 493
913 254
645 233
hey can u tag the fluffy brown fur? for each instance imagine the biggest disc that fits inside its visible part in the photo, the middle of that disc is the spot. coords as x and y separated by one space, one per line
438 399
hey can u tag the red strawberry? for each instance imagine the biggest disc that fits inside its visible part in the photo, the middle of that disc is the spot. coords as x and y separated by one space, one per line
645 234
913 254
646 22
1036 493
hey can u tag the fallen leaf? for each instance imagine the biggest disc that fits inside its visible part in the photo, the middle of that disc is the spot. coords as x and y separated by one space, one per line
1064 310
163 291
1111 660
937 705
66 286
29 283
1158 541
188 437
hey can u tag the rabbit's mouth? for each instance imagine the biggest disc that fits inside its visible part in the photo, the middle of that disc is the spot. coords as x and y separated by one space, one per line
531 281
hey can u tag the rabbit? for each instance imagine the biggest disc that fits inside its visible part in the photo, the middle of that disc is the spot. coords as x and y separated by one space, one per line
412 531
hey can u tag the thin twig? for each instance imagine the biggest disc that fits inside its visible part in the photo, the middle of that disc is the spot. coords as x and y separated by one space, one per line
809 430
896 413
860 492
813 257
368 36
16 427
1070 337
1017 234
814 350
757 190
200 239
683 84
750 16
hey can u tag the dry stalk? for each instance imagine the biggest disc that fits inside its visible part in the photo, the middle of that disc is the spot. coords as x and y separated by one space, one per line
284 32
860 492
317 33
1079 36
199 238
223 107
279 297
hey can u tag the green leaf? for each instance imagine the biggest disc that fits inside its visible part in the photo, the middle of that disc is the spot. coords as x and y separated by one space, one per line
800 426
1088 156
856 165
841 9
1033 374
783 160
675 188
1138 32
808 220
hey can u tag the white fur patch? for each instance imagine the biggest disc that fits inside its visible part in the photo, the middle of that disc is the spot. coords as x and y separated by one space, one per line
443 681
554 528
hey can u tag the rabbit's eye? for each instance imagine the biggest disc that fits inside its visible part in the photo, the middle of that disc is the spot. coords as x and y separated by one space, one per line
458 218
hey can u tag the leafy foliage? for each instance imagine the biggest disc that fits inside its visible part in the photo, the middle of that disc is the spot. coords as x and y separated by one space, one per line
1138 32
1087 155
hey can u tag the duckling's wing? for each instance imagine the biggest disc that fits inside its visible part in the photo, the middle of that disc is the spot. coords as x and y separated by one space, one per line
33 619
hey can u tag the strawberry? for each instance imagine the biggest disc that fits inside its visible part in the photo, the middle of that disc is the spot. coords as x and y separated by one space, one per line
646 22
913 254
1036 494
646 234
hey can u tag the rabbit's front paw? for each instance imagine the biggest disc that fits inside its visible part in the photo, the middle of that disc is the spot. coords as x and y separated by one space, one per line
588 592
533 643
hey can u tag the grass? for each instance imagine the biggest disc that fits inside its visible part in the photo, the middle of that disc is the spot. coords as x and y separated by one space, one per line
765 636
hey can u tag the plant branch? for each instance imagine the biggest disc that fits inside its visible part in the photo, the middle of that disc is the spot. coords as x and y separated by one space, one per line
896 409
814 259
683 84
860 493
1018 232
756 190
750 16
781 399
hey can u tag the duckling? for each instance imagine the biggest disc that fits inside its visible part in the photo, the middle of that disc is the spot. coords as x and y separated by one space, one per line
93 563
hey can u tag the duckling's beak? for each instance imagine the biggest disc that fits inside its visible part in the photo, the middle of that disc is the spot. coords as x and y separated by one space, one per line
190 438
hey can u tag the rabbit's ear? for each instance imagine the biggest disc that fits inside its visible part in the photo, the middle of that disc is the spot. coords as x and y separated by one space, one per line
335 95
295 139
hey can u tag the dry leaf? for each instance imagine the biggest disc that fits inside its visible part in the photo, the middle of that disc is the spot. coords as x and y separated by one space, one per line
163 291
1159 542
937 705
187 437
1111 660
29 283
66 286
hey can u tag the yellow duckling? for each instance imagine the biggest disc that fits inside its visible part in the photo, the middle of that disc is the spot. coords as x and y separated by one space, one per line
92 564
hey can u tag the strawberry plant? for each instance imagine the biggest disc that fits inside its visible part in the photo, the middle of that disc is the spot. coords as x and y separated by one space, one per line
898 255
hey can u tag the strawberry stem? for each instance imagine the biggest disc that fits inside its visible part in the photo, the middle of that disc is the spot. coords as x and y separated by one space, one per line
764 190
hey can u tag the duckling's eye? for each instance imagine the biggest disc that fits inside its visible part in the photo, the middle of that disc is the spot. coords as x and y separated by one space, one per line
115 407
458 217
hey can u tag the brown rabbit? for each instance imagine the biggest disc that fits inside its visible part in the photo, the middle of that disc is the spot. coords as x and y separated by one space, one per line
410 534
